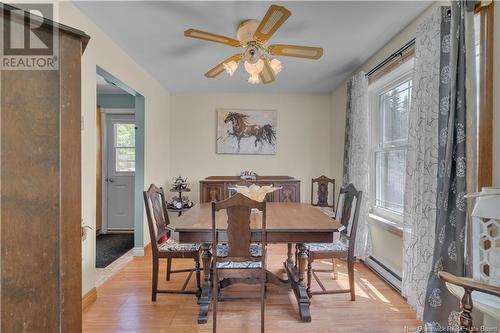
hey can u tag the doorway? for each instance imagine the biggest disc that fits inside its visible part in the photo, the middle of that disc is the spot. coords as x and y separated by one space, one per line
119 173
120 158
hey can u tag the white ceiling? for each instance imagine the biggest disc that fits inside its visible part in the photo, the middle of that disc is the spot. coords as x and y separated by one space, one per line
152 34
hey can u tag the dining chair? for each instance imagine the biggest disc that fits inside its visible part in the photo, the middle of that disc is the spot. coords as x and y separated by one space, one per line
164 247
239 259
469 285
347 213
323 184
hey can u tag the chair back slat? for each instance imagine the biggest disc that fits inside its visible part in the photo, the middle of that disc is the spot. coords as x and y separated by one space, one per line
156 213
239 210
238 231
322 194
347 211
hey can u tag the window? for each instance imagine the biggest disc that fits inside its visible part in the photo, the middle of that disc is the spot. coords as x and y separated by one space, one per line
390 106
124 147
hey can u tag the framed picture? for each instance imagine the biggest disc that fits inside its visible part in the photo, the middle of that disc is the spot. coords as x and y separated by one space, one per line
246 131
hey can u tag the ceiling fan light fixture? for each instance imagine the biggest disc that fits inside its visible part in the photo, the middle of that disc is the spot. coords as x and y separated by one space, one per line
254 69
257 56
254 79
230 67
275 65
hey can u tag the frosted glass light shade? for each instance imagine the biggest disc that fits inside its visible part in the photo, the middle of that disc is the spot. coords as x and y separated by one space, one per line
275 65
254 79
230 67
254 69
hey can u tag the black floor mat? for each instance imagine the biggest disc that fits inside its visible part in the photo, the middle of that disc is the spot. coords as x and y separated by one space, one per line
110 247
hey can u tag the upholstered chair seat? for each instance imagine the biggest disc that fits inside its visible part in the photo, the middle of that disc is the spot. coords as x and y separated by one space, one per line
170 245
337 246
239 264
255 250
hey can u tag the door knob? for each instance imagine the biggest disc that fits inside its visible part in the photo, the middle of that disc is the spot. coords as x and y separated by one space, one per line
111 180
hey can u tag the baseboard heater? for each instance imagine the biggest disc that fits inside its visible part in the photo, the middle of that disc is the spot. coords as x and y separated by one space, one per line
385 273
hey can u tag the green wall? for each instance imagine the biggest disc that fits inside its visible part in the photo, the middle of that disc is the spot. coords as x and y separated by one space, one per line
116 101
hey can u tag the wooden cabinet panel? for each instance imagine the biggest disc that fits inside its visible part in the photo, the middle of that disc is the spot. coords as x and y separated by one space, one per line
212 191
288 192
219 187
40 232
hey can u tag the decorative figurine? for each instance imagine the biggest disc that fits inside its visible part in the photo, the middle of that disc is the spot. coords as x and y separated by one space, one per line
248 175
180 183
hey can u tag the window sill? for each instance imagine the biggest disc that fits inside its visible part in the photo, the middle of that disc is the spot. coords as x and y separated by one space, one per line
388 225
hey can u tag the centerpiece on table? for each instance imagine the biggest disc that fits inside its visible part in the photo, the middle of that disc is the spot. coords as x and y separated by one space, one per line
255 192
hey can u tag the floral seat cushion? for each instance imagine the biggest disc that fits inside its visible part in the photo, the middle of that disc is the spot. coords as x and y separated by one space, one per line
223 250
239 264
337 246
171 245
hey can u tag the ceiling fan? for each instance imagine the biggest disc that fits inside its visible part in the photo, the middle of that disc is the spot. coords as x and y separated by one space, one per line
257 56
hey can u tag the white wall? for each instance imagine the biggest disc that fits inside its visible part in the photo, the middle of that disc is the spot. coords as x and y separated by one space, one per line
303 137
103 52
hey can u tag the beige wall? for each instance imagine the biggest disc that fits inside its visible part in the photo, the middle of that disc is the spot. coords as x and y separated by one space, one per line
303 138
102 51
310 138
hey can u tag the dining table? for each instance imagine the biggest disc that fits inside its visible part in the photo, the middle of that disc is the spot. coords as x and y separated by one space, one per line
286 223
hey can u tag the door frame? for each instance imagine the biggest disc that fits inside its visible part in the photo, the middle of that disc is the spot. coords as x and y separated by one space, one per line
140 123
104 161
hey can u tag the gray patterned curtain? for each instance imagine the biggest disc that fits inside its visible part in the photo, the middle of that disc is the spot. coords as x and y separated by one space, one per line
441 308
356 154
422 162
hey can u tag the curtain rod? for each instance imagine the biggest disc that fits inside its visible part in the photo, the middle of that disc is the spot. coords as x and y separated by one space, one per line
393 56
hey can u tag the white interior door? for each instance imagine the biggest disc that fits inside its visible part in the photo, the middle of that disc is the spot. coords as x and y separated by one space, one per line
120 173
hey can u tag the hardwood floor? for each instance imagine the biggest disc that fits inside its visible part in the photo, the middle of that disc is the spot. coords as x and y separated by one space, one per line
124 304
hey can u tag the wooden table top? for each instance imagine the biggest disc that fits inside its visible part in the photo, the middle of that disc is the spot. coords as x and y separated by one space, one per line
281 217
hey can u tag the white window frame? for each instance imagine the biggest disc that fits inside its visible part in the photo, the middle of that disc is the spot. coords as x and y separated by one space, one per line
397 76
115 148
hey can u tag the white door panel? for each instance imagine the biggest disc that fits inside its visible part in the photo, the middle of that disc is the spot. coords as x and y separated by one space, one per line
120 132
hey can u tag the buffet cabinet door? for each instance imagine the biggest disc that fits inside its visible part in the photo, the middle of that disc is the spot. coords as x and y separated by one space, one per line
212 191
288 193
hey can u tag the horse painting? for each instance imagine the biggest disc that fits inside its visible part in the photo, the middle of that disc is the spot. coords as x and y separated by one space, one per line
251 132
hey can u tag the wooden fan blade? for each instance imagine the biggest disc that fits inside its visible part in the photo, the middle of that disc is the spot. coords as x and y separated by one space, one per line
194 33
275 17
296 51
267 74
220 67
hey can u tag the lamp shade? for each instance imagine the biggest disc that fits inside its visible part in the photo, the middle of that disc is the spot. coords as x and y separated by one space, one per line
487 204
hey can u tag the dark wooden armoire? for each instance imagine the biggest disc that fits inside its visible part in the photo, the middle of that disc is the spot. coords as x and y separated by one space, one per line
41 179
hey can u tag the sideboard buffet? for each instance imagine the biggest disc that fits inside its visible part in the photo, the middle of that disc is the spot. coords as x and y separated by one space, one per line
219 187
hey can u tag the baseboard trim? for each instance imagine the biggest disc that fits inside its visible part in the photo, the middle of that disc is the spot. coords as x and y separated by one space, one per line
89 298
138 251
120 231
393 279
